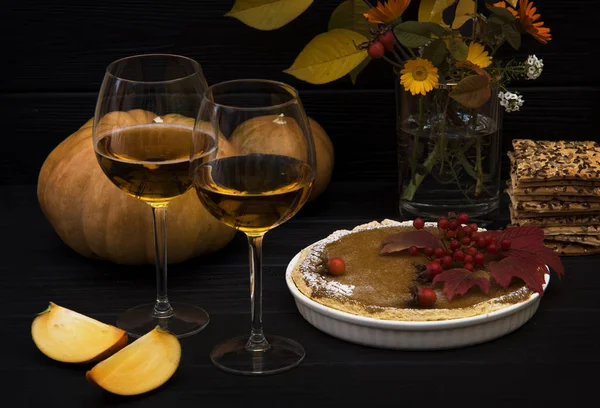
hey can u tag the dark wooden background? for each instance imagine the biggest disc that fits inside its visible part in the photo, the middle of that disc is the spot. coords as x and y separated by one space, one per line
54 55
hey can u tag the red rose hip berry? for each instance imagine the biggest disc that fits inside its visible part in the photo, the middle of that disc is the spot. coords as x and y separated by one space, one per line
479 258
443 223
459 256
492 248
454 244
466 241
418 223
434 268
447 260
468 266
453 225
468 259
336 266
388 40
428 251
426 297
471 250
481 242
463 218
376 50
413 250
505 244
439 252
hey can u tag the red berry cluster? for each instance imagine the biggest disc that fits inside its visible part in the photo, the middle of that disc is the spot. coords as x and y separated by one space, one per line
463 247
385 41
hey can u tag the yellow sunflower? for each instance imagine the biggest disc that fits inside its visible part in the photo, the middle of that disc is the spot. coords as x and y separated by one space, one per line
530 23
385 13
419 76
478 55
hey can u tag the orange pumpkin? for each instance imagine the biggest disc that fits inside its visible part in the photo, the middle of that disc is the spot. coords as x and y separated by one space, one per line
262 134
97 220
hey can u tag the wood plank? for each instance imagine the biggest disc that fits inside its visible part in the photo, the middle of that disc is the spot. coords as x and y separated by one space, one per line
66 46
361 125
35 270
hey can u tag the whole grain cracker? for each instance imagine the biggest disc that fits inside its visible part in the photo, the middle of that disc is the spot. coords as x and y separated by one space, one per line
545 160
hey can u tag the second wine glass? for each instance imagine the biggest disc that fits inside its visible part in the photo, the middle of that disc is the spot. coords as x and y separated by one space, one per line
258 178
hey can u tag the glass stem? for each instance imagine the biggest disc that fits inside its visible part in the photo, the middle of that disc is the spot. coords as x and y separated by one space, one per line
162 308
257 340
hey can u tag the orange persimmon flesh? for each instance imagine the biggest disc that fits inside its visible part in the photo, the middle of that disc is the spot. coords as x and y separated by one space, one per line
145 364
67 336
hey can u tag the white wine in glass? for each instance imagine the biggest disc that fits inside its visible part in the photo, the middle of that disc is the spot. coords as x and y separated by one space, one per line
143 128
255 188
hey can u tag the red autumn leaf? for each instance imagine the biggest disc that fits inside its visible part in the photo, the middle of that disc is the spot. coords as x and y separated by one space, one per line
532 273
528 243
405 239
518 233
458 281
474 68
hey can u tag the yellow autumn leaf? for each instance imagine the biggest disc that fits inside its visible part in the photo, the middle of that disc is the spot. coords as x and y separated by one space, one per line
464 12
512 2
267 14
431 11
329 56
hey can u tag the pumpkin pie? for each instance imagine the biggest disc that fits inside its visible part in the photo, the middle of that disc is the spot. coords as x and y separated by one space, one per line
379 286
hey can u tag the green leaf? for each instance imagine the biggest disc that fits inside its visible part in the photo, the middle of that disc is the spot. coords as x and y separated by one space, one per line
512 35
354 73
349 15
436 29
329 56
436 52
495 20
412 34
267 14
472 91
503 14
458 49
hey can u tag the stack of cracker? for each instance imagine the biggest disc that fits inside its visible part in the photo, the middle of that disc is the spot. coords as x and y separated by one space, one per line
556 185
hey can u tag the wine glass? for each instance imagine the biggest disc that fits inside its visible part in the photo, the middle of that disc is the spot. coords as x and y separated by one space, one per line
142 131
258 178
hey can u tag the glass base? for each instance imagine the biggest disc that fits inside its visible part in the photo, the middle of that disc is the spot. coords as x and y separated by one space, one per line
233 356
186 320
484 212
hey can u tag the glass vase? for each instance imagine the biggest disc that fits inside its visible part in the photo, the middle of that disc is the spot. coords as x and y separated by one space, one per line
448 155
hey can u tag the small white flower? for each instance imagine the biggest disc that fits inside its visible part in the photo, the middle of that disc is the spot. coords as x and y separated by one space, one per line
534 67
511 102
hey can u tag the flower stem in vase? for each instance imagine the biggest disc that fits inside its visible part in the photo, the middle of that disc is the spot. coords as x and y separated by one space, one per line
478 164
409 192
416 139
443 139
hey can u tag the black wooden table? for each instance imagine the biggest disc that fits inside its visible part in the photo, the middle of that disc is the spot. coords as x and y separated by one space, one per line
548 360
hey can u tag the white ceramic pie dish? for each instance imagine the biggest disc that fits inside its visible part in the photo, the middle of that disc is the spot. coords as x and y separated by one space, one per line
404 335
